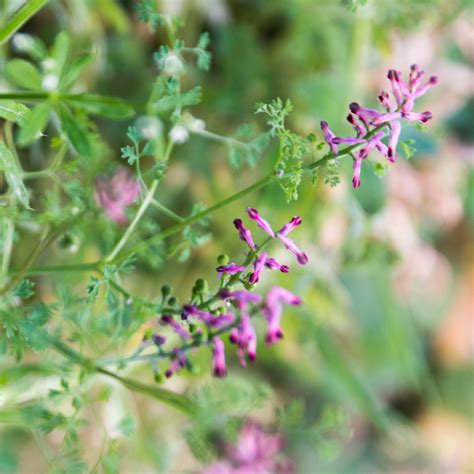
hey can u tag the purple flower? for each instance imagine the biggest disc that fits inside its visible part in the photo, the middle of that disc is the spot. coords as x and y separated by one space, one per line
273 264
230 269
168 320
258 266
365 114
262 223
241 297
158 339
418 117
255 452
395 129
272 311
244 233
117 193
191 310
371 144
384 100
287 228
394 78
219 368
301 257
179 361
356 172
348 140
358 126
222 320
245 338
329 136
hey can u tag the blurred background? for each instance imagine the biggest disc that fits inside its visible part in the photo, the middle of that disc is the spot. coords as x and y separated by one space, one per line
375 373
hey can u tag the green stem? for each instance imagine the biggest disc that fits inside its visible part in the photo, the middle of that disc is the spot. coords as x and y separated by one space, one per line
219 138
80 267
194 218
9 233
175 400
166 211
144 206
29 8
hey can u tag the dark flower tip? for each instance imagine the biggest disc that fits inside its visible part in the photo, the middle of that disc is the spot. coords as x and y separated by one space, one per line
220 372
224 293
168 373
166 318
284 269
252 357
302 259
232 339
433 80
253 213
324 124
158 340
238 223
354 107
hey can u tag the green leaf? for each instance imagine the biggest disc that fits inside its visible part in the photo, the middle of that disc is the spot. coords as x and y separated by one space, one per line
75 132
22 73
20 17
24 289
73 70
13 173
111 107
34 124
61 51
13 111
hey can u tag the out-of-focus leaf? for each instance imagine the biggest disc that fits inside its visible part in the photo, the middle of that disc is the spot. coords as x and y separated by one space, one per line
12 172
13 111
60 52
28 9
75 132
22 73
34 124
73 70
111 107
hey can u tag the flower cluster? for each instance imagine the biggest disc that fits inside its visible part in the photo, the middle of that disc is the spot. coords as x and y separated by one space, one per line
254 452
207 317
372 126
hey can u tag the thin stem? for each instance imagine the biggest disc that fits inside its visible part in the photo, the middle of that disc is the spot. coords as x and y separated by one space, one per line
144 206
194 218
166 211
175 400
9 232
219 138
80 267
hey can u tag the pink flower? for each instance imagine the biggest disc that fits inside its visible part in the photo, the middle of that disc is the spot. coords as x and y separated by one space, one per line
273 264
256 452
219 368
230 269
301 257
262 223
258 266
179 361
244 233
363 118
114 195
272 310
329 137
168 320
241 297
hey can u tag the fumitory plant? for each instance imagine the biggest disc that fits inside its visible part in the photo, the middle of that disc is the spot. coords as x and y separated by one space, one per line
79 219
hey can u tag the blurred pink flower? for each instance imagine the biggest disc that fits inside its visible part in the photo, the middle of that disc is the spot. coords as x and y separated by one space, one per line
254 453
117 193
